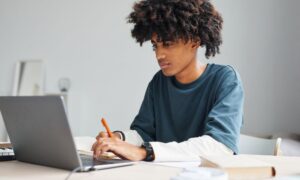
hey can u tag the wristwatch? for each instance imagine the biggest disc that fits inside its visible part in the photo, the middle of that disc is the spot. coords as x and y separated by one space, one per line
149 151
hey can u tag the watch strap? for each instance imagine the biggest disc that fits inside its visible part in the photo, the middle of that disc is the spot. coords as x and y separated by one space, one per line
149 151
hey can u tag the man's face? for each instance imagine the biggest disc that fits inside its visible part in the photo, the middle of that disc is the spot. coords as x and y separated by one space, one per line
174 57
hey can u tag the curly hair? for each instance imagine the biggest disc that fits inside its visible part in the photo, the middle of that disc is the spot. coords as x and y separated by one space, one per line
171 20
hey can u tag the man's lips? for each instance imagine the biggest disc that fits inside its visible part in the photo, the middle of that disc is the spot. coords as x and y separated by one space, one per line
164 65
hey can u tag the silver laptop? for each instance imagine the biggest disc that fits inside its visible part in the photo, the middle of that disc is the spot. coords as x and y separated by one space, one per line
39 131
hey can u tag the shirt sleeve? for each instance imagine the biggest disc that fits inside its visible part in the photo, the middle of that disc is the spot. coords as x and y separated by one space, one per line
144 122
224 120
190 150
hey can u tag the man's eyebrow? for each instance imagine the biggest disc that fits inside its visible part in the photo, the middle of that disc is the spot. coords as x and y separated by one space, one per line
153 42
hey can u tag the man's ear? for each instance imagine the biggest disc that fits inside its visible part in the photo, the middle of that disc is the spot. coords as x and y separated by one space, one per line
196 44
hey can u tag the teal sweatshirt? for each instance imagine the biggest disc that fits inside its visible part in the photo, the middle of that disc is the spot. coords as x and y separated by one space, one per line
211 105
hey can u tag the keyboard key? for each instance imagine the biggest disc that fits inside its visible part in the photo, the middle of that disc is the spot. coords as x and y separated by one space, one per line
7 154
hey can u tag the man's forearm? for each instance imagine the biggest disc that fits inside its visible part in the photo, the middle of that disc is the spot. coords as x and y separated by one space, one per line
189 150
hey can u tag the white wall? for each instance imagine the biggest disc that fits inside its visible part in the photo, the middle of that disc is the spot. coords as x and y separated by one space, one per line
87 41
90 42
262 39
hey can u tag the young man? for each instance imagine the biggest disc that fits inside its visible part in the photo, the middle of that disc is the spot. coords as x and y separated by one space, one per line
190 109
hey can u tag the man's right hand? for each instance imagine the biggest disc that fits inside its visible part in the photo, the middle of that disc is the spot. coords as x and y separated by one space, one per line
103 134
116 145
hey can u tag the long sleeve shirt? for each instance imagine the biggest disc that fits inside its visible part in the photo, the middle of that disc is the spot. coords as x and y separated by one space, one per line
180 117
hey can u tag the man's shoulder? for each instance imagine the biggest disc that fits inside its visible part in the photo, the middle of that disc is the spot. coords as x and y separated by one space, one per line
158 76
221 70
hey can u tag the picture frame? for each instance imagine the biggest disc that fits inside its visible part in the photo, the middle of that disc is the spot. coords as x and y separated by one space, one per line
29 78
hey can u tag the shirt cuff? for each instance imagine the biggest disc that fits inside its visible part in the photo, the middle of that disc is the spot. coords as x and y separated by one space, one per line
190 150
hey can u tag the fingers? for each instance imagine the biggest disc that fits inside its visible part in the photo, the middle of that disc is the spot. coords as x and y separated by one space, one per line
120 148
104 148
101 146
102 135
94 145
97 143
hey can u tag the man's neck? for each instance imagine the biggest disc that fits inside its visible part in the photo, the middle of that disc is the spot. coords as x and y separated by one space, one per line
191 73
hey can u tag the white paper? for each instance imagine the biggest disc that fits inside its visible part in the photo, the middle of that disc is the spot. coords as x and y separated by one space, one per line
203 173
84 143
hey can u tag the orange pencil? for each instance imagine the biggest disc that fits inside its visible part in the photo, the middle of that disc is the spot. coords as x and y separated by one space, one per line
104 123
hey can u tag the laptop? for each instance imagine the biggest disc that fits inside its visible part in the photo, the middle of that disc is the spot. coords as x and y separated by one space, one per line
39 132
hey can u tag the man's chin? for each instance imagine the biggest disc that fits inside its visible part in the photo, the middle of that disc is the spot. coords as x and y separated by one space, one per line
167 73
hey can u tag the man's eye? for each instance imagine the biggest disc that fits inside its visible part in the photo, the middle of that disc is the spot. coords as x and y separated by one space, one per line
167 44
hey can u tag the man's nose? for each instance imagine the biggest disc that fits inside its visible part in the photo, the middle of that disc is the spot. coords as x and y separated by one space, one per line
160 54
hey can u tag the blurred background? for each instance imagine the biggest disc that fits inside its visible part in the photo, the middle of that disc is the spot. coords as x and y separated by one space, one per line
89 43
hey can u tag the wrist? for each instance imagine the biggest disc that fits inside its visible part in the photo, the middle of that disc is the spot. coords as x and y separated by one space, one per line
149 151
143 153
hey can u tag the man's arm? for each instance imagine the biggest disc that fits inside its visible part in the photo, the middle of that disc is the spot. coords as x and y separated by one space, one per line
191 149
224 121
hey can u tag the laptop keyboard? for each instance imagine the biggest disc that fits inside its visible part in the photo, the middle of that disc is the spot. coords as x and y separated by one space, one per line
89 160
6 152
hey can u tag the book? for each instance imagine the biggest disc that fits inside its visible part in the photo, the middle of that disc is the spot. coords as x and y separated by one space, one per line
240 166
84 145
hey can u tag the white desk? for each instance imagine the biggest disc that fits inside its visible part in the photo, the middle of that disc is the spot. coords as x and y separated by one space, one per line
17 170
285 166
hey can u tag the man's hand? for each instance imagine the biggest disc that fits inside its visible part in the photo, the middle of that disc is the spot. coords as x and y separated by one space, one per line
114 144
105 135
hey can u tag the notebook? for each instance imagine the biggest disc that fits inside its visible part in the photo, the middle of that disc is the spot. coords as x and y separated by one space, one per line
39 132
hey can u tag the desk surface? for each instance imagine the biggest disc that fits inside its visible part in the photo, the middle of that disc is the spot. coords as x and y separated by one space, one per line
285 166
18 170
